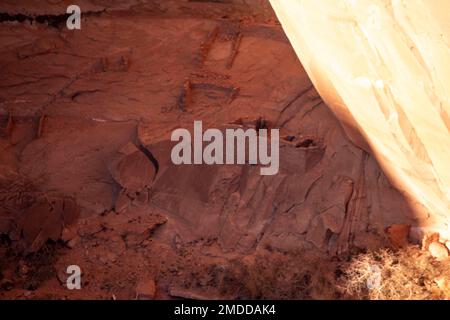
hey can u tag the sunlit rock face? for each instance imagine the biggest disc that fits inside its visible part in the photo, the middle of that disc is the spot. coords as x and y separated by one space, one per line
383 68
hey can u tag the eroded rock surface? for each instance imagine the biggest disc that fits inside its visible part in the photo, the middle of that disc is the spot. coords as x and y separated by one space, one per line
386 82
88 113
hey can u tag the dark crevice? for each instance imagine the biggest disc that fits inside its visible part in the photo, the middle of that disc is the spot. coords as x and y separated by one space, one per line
260 124
150 157
289 138
307 143
77 94
54 21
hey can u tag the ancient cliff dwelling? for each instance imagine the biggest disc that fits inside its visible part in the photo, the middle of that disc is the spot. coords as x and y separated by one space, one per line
345 104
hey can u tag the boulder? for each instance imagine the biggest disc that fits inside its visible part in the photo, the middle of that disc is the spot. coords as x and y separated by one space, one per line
429 238
398 235
132 169
438 251
145 289
46 220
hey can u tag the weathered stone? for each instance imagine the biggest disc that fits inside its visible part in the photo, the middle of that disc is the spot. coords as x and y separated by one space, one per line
303 216
68 233
123 202
141 198
91 227
429 238
317 233
438 251
62 276
398 235
118 61
45 220
146 289
72 243
132 169
333 219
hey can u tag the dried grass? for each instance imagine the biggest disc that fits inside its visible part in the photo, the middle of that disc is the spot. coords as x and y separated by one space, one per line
406 274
